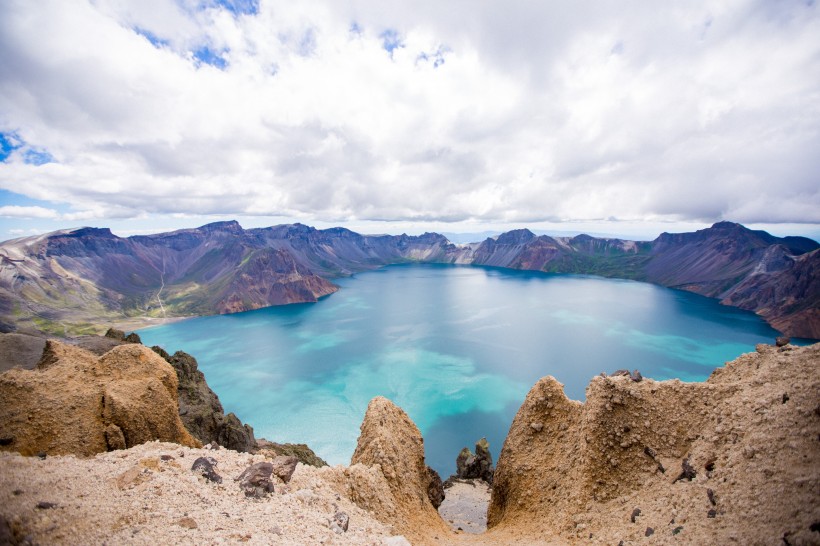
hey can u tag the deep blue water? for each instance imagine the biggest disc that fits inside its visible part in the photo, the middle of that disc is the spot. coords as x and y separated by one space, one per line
456 347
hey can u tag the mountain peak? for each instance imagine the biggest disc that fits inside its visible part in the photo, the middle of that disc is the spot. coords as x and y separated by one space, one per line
725 224
228 225
515 237
89 232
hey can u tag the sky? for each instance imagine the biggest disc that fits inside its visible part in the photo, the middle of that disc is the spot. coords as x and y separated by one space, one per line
612 117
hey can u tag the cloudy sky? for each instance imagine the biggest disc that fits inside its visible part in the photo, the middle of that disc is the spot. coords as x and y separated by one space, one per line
618 117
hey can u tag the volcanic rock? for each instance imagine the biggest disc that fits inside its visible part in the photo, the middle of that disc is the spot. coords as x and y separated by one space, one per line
284 467
388 475
129 387
475 466
302 452
206 467
435 489
255 480
594 456
200 409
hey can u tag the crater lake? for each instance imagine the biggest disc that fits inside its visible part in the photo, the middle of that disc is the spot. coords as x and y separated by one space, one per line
457 347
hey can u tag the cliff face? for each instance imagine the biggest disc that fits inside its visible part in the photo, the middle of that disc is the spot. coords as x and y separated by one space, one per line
68 281
785 290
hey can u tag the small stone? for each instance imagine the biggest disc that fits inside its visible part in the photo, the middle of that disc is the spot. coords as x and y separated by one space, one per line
711 495
785 398
17 492
636 376
166 457
677 529
617 373
42 455
649 532
688 472
782 341
537 427
635 513
133 337
6 440
205 467
43 505
188 523
342 520
255 480
711 513
284 466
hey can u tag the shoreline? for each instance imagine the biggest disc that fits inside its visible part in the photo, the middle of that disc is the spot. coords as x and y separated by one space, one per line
141 323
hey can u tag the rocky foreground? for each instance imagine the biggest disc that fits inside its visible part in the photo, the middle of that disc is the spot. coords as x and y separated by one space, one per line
735 459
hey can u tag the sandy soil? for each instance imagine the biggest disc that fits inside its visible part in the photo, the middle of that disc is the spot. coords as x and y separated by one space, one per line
149 495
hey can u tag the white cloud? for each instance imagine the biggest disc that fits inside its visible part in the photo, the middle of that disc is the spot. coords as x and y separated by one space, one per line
16 211
490 112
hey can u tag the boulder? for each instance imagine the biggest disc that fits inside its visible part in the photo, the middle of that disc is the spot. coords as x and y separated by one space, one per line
74 402
255 480
284 466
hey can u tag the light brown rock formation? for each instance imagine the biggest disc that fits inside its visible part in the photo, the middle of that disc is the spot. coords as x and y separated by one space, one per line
387 473
750 435
75 402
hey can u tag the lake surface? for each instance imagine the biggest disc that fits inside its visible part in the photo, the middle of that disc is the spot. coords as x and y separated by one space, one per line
456 347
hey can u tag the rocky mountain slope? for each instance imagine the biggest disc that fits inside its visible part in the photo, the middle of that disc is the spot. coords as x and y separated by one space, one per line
733 460
69 282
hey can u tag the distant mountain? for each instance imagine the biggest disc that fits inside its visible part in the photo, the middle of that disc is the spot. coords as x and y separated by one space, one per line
69 282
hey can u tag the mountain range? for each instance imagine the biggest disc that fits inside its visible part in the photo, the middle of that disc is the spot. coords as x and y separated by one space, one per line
73 281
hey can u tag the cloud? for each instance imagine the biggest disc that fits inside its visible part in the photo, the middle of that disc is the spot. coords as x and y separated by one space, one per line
490 112
16 211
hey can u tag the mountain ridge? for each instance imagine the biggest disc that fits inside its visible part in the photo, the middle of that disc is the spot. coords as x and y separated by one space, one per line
69 281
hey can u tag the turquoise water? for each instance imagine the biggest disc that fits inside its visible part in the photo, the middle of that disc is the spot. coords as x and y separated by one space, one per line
456 347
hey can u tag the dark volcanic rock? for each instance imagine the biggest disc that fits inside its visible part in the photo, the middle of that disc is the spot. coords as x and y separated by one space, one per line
114 333
435 490
782 341
200 409
205 466
475 466
255 480
687 471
